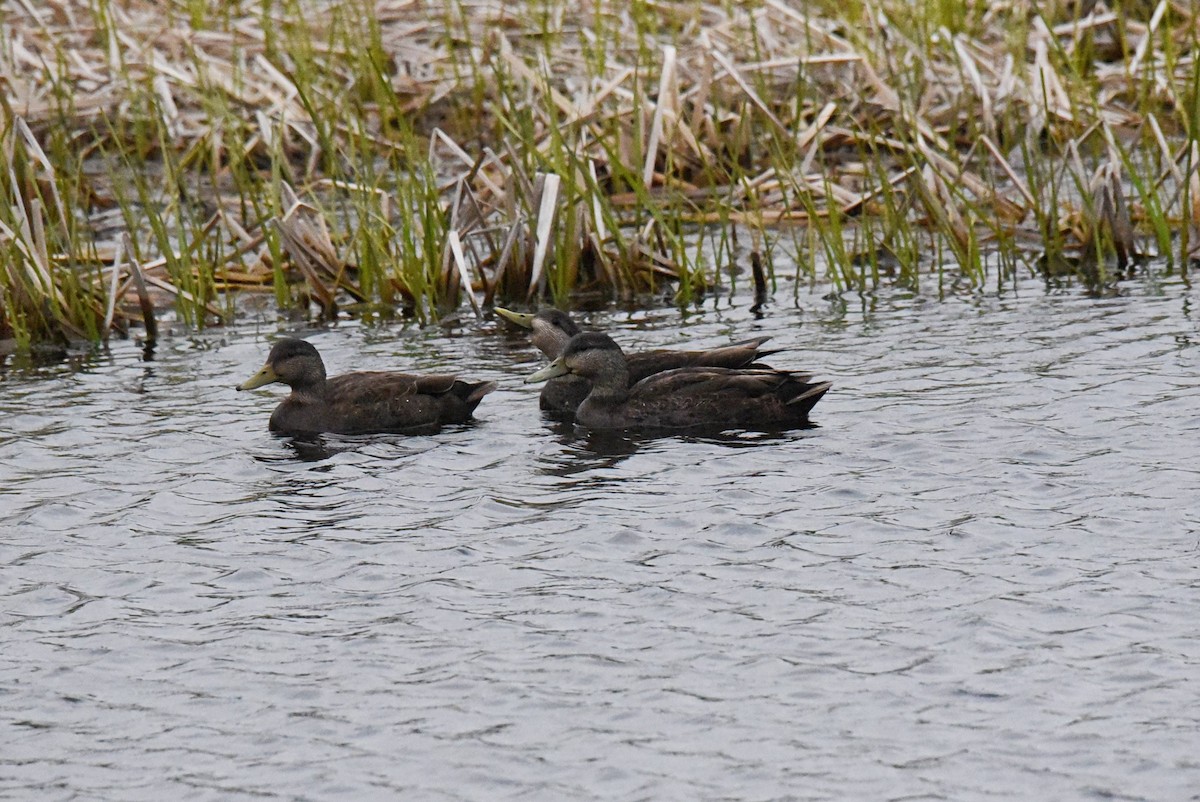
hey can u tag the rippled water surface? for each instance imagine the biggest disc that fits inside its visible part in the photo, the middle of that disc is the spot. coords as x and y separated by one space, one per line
978 578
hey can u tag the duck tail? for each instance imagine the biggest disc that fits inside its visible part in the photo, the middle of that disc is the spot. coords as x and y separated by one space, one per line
764 353
477 391
756 345
753 342
808 398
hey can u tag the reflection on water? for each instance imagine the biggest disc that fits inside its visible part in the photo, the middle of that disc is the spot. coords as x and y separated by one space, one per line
320 447
611 446
974 578
582 452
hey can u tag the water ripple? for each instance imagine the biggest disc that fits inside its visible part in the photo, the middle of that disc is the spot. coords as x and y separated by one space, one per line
974 579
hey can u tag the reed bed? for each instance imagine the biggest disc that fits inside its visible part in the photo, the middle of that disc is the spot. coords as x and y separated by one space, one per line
419 158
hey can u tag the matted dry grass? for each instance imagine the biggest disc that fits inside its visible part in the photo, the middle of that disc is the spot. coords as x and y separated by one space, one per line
375 156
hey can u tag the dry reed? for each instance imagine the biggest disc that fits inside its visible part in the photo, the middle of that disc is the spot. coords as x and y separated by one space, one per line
541 149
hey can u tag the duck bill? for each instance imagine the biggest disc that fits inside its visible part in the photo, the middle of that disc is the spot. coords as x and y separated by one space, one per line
264 376
520 318
555 368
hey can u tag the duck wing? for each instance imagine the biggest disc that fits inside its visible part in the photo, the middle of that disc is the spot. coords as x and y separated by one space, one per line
385 401
735 355
723 398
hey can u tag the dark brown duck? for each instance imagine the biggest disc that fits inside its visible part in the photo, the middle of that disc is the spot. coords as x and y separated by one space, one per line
362 402
682 398
552 329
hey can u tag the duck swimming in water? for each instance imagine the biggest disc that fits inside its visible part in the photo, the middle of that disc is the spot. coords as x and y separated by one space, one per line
552 330
363 402
682 398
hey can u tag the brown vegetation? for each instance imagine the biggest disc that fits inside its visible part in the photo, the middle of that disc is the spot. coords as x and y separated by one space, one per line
372 156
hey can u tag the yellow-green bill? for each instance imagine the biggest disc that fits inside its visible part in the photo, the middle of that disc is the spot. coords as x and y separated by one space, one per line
556 368
264 376
522 319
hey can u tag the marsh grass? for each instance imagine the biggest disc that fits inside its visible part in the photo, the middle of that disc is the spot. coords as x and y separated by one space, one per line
409 158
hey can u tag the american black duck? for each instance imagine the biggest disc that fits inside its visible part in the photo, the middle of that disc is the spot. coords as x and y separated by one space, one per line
682 398
363 402
562 395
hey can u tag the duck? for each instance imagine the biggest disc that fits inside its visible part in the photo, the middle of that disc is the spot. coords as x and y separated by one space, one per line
561 396
687 398
361 402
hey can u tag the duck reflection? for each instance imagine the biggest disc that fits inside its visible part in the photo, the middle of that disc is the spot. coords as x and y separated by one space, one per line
314 447
583 451
310 447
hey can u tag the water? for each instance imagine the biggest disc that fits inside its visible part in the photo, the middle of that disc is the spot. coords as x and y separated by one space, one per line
978 578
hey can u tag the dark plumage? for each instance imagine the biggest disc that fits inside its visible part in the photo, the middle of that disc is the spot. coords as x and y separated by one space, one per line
357 403
682 398
552 330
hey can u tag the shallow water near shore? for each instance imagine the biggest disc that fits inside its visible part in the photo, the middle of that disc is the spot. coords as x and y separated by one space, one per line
977 577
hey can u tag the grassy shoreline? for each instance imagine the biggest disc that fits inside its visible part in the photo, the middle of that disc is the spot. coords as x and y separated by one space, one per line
410 158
